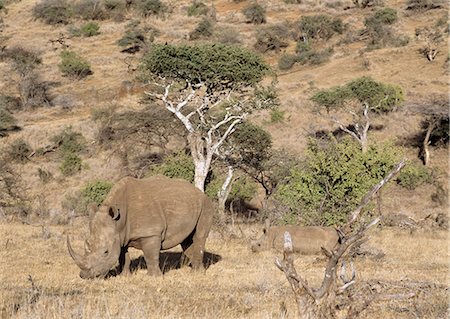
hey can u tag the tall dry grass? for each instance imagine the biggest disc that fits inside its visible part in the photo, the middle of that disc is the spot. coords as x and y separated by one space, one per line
38 279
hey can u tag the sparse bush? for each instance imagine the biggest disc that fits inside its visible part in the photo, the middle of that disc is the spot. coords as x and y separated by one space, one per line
266 97
113 5
178 165
71 164
69 141
293 1
23 61
19 150
272 38
90 29
33 91
96 191
413 176
9 103
44 175
314 57
255 13
7 121
197 9
150 7
90 10
12 189
204 29
319 27
386 15
227 35
286 61
74 66
332 180
137 37
53 11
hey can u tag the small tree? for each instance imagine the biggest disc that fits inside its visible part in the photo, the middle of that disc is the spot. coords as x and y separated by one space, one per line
207 88
369 95
73 65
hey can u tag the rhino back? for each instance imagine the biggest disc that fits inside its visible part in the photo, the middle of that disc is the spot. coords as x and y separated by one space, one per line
157 206
305 239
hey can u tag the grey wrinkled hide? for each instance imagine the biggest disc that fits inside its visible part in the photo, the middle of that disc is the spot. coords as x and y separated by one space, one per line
305 239
151 214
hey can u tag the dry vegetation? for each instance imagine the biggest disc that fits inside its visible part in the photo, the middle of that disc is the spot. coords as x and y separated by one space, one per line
38 279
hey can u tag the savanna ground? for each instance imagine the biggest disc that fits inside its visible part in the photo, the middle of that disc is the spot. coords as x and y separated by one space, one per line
38 279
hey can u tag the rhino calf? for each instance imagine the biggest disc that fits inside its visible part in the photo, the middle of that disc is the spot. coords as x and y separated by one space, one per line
305 239
151 214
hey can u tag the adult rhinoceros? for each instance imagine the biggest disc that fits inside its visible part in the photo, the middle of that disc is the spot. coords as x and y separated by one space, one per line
150 214
305 239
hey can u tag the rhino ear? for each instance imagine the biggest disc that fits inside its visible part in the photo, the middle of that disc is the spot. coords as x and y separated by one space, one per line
114 212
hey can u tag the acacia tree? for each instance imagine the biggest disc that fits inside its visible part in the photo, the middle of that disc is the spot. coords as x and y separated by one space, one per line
209 88
359 97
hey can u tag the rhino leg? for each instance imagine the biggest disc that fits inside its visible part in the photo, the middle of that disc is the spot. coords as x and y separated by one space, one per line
151 247
125 261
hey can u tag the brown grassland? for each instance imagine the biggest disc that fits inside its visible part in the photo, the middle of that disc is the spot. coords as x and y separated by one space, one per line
38 279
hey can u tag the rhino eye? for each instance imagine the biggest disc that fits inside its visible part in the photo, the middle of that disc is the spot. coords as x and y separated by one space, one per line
106 252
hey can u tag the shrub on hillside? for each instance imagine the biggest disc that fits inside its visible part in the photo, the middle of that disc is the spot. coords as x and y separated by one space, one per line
90 29
9 103
90 10
137 37
413 176
379 32
423 5
74 66
19 150
332 179
96 191
204 29
23 60
177 165
255 13
149 7
227 35
71 164
314 57
69 141
33 91
197 9
53 11
286 61
386 15
272 38
7 122
319 27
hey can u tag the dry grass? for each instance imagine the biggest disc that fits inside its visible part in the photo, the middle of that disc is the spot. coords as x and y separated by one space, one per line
240 285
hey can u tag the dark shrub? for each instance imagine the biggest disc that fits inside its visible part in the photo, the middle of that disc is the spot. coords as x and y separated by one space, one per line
386 15
22 60
314 57
19 150
272 38
90 29
69 141
413 176
33 91
9 103
53 11
71 164
150 7
423 5
286 61
255 13
74 66
319 27
7 122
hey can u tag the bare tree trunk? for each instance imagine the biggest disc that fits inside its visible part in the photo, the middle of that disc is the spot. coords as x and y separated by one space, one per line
223 193
426 142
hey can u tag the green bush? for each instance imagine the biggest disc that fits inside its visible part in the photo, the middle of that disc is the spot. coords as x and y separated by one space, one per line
96 191
197 9
2 5
413 176
19 150
74 66
137 36
276 115
272 38
204 29
386 15
90 29
69 142
242 188
53 11
286 61
71 164
113 5
319 27
9 103
255 13
178 165
314 57
333 178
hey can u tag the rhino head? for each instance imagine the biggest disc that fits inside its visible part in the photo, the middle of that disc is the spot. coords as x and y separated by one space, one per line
102 248
263 242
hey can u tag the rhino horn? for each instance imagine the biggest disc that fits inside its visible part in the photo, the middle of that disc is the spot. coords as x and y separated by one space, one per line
79 259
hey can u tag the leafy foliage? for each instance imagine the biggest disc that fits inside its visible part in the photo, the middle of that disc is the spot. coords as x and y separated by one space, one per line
216 65
413 176
90 9
7 121
71 164
149 7
255 13
19 150
272 38
319 27
380 33
96 191
90 29
53 11
73 65
69 141
385 15
197 9
177 165
136 35
332 179
379 97
286 61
